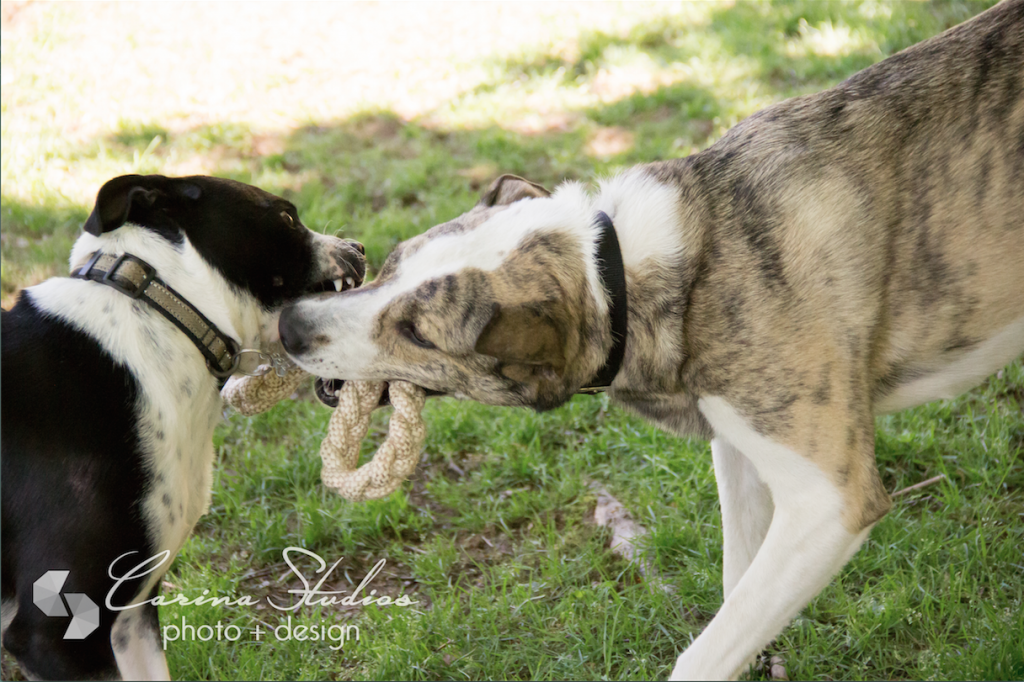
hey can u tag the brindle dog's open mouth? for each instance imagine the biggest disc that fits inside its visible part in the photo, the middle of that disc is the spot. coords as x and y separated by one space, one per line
327 392
327 389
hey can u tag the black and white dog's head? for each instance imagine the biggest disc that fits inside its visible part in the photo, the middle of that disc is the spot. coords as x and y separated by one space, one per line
234 251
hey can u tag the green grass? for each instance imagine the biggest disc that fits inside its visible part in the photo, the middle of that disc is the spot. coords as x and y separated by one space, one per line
494 538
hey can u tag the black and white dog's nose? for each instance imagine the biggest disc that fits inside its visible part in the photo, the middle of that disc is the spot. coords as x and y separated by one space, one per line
350 259
294 331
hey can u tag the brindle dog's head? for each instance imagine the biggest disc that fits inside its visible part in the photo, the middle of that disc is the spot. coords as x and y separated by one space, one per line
501 305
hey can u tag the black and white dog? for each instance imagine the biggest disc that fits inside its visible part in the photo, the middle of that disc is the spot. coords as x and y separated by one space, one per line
111 383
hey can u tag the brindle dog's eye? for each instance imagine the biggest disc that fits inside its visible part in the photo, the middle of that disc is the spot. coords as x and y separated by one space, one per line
409 331
278 281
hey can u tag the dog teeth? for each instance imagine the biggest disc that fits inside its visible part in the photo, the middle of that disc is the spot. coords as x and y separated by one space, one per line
338 285
350 282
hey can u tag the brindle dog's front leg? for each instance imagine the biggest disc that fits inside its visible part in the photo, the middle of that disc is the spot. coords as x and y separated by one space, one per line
746 511
806 543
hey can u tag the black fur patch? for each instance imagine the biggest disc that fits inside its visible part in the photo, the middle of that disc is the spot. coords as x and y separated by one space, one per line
74 453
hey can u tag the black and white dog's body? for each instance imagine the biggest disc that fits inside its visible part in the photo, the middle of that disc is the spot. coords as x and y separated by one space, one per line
109 408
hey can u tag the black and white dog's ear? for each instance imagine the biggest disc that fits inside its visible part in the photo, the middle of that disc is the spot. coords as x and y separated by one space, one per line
117 197
114 202
511 188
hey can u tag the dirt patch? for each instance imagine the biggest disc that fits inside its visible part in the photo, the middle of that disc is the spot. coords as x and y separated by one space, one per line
542 123
608 142
377 128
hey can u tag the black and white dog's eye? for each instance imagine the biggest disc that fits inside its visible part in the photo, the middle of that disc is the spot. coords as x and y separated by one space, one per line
409 331
287 218
278 281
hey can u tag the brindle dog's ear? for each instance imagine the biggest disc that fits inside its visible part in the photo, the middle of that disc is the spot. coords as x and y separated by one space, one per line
511 188
527 341
119 196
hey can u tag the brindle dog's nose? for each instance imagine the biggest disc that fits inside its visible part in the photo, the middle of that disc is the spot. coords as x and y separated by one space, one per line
295 331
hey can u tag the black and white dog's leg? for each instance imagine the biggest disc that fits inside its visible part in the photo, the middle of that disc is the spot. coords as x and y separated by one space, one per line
137 645
746 510
806 543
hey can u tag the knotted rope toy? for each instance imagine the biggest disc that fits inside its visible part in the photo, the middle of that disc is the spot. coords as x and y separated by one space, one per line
394 460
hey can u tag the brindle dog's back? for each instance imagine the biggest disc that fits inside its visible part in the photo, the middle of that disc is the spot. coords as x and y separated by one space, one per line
894 202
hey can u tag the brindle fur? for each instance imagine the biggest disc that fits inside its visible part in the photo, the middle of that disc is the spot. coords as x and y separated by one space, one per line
833 249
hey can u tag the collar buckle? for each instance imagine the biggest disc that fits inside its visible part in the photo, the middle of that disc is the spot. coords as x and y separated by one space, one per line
223 374
256 363
148 272
124 282
252 362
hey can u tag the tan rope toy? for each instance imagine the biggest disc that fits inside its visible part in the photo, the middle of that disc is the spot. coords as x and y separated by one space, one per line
394 460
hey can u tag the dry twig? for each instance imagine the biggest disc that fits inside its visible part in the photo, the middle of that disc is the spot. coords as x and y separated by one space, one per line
918 486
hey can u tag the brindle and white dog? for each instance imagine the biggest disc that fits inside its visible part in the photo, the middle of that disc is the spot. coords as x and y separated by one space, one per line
832 257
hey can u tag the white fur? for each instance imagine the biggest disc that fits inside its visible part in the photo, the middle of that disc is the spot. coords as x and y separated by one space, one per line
747 510
805 545
179 403
647 216
492 242
179 397
8 610
350 320
962 374
142 657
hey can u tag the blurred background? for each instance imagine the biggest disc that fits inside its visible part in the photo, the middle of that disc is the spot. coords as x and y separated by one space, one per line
380 120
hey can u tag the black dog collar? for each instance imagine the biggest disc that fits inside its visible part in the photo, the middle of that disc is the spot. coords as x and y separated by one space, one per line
137 279
613 276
